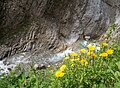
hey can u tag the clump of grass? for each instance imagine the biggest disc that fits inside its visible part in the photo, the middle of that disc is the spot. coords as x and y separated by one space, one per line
88 68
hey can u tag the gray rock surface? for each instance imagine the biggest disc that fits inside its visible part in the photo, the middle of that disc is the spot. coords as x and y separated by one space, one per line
44 25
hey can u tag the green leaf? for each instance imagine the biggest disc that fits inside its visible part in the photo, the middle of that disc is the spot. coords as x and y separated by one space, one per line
102 86
118 64
117 85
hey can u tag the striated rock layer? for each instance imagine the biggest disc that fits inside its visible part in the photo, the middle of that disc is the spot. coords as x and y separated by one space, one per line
43 25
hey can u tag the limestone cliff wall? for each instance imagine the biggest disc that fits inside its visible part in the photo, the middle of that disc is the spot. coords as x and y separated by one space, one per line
42 25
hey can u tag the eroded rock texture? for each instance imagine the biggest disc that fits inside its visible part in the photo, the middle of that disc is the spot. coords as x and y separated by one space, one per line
42 25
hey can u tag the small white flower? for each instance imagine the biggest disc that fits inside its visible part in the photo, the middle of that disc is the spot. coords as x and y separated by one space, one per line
97 48
36 66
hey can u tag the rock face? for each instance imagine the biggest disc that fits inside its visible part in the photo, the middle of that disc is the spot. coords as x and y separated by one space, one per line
42 25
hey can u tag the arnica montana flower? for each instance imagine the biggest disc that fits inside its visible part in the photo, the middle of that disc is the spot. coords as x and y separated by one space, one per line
62 68
67 58
103 55
72 60
104 44
93 55
83 62
74 54
91 48
59 74
110 51
89 53
83 51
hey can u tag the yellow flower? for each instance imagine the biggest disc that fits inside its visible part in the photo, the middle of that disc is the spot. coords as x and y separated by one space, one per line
91 48
73 65
103 55
66 58
72 60
74 54
110 51
84 62
93 55
89 53
59 74
82 50
62 68
48 66
104 44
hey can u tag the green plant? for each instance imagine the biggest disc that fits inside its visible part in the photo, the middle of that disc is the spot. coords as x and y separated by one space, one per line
110 30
